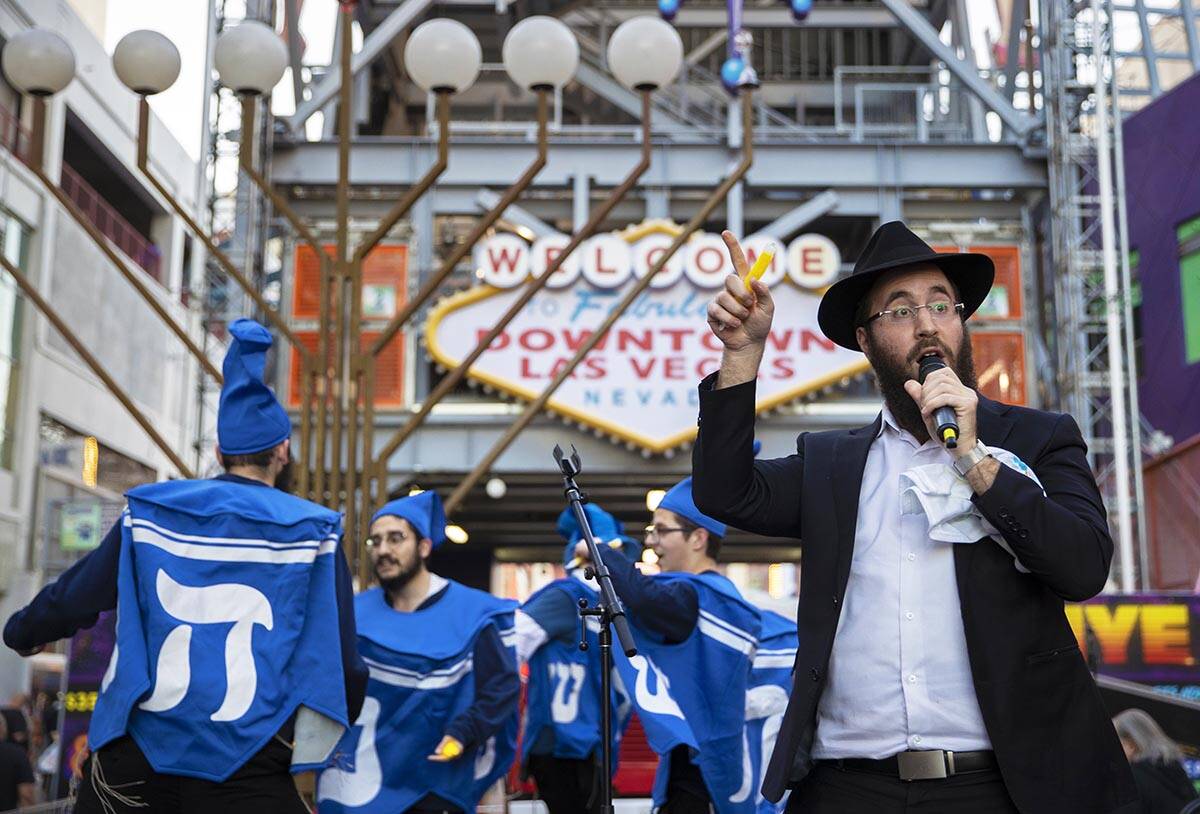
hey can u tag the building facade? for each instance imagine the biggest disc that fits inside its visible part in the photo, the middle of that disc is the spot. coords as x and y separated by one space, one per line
69 449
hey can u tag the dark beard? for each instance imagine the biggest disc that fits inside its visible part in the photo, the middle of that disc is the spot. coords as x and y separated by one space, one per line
893 374
398 582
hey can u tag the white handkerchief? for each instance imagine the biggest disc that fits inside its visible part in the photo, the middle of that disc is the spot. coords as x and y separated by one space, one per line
944 497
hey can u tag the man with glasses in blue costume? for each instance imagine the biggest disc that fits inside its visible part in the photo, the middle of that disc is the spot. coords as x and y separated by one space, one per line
235 659
696 639
561 746
439 725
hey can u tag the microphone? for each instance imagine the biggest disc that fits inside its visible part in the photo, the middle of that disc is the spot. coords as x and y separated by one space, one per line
947 426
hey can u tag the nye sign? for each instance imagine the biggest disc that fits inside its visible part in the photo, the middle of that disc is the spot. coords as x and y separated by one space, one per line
1150 638
639 384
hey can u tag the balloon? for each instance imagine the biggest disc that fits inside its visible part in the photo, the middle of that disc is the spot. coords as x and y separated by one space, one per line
800 9
668 9
731 73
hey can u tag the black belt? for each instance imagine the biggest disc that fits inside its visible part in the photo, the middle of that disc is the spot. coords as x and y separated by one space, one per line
932 764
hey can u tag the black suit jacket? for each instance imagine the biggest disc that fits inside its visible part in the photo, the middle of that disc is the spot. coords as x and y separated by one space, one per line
1052 736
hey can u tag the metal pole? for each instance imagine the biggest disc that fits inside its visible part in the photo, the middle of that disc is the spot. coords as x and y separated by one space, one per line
143 163
1116 361
341 271
401 207
431 286
535 407
305 425
453 377
367 499
1135 412
31 292
133 278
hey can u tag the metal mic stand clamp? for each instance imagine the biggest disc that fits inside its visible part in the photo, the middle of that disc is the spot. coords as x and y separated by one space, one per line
608 610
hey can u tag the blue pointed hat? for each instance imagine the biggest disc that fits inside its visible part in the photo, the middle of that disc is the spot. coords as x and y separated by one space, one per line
679 500
423 510
249 418
604 526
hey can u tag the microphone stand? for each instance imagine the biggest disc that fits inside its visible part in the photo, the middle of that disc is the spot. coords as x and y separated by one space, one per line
608 610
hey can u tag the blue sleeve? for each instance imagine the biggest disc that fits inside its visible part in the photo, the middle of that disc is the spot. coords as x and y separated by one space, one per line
669 609
497 690
555 613
354 669
73 601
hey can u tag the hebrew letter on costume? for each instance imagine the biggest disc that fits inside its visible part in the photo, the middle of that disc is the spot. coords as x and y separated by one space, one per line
226 603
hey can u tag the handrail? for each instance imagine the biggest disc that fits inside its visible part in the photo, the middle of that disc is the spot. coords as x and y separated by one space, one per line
111 224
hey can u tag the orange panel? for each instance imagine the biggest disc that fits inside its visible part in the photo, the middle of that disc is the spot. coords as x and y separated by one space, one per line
1004 301
384 277
306 283
389 369
1000 365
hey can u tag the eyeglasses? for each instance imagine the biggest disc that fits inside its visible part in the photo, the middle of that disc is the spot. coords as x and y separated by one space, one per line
655 533
391 538
940 311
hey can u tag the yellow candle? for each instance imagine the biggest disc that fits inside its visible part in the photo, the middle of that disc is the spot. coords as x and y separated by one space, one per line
760 264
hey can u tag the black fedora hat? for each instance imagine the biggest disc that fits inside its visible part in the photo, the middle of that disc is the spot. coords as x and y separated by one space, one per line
894 246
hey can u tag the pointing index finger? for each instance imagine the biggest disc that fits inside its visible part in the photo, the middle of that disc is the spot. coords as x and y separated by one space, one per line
735 253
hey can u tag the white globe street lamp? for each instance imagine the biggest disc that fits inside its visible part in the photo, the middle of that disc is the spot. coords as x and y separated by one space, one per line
443 55
645 53
250 58
39 62
146 62
541 53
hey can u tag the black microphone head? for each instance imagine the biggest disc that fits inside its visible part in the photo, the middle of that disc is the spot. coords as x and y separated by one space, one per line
928 365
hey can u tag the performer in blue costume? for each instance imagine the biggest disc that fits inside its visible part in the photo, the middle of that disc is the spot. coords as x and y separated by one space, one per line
767 697
696 639
230 595
439 725
561 746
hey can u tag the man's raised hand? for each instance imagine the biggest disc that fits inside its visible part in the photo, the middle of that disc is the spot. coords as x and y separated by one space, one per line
741 319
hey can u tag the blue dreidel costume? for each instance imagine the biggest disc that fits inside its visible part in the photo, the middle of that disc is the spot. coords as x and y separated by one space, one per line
767 696
422 677
226 605
693 692
563 712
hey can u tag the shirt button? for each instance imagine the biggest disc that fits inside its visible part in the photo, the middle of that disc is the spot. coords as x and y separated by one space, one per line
908 615
912 679
916 738
911 556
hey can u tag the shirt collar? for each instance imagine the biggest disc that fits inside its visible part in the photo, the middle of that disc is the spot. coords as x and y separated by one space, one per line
888 422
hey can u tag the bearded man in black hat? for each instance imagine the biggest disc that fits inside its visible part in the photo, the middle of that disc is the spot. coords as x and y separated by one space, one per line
937 671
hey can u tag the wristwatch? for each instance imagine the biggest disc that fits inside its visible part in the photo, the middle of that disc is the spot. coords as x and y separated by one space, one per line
965 463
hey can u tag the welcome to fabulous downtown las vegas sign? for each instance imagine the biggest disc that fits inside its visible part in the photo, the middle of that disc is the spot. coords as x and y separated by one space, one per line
639 384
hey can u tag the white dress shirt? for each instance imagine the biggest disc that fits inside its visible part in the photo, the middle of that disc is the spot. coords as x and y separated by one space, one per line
899 678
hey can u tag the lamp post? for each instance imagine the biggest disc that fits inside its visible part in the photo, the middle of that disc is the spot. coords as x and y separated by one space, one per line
641 55
41 63
443 57
337 381
649 54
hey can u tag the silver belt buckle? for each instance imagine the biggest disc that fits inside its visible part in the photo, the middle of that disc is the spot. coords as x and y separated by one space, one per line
927 765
